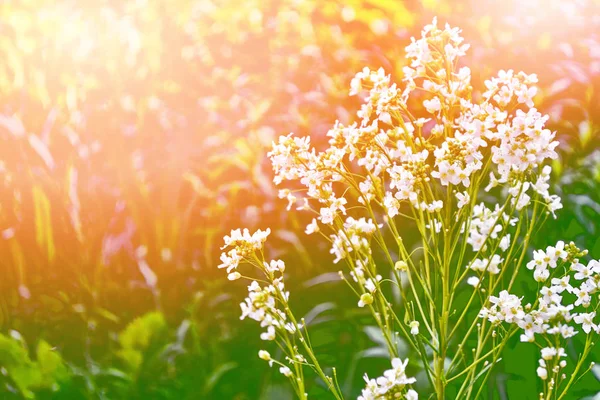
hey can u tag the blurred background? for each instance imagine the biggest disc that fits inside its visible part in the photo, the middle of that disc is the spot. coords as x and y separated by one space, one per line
133 136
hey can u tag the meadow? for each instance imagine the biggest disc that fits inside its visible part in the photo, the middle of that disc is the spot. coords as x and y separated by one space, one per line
136 136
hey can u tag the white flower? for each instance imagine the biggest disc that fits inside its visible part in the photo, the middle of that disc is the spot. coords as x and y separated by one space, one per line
269 334
243 245
285 371
312 227
239 238
541 275
586 320
463 199
582 295
548 353
473 281
414 327
432 105
326 215
436 226
275 266
583 271
561 284
490 265
506 307
230 260
370 284
505 242
286 193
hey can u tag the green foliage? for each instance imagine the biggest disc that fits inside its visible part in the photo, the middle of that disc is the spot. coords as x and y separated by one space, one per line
138 338
47 372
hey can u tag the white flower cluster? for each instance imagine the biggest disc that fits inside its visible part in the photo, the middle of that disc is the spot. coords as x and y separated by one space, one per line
551 357
354 237
489 265
561 306
266 304
394 384
544 259
390 158
383 100
262 302
486 224
261 306
427 165
243 245
434 51
265 355
505 308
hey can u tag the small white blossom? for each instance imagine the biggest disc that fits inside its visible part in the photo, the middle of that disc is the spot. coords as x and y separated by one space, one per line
414 327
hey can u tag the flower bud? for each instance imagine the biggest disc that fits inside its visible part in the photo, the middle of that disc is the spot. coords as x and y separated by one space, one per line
414 328
264 355
401 266
234 276
365 299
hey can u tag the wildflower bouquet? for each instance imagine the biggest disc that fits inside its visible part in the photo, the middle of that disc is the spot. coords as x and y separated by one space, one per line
470 175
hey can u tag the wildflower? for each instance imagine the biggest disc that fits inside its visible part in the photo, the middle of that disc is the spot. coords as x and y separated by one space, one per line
388 162
401 265
414 327
490 265
365 299
312 227
432 105
244 240
561 284
234 276
463 199
243 245
504 242
274 266
353 238
473 281
548 353
269 334
583 295
287 194
264 355
230 260
586 320
392 381
583 271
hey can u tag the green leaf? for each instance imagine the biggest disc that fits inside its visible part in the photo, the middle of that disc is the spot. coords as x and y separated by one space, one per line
51 365
15 359
137 337
46 373
218 374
